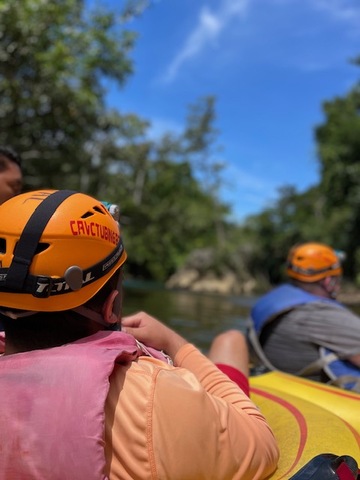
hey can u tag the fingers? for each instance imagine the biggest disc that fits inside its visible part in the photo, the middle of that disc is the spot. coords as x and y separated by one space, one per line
141 326
152 332
131 331
135 320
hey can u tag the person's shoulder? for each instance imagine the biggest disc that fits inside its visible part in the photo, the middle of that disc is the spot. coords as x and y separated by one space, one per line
329 309
148 368
140 375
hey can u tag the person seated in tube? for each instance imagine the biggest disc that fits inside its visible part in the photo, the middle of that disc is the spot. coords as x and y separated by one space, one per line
87 394
297 321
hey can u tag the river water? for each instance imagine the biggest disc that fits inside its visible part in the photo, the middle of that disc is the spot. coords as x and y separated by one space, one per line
198 317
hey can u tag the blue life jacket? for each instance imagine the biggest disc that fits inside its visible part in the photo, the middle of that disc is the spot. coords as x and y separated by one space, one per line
286 297
281 300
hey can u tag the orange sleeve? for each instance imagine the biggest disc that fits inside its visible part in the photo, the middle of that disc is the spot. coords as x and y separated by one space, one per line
187 422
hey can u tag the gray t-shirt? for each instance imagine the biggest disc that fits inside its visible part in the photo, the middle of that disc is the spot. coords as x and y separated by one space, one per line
291 342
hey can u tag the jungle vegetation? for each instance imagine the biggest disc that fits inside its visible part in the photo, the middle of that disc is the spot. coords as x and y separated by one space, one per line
55 60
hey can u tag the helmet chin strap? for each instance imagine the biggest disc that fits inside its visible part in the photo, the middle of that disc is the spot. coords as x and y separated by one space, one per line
90 314
83 311
109 316
329 285
15 315
96 317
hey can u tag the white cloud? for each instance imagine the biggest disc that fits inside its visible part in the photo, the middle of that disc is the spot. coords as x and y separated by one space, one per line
209 27
343 10
346 11
212 23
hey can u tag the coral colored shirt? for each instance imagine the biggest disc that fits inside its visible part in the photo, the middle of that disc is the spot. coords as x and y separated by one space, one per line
188 423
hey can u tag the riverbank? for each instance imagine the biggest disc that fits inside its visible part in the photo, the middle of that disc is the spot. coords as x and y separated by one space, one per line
350 298
192 280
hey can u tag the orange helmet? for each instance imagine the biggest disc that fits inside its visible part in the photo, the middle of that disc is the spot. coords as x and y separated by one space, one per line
311 262
57 249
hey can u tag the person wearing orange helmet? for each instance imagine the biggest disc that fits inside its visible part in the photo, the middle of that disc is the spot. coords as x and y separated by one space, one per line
88 395
300 328
317 265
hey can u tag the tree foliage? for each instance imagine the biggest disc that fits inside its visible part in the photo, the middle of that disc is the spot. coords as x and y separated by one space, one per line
328 212
339 153
169 211
55 60
295 217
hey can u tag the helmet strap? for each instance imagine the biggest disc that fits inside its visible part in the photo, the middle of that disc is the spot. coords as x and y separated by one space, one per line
30 237
329 284
95 316
14 315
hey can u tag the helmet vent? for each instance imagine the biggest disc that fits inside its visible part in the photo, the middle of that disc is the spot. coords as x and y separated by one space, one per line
41 247
2 245
87 215
95 209
100 210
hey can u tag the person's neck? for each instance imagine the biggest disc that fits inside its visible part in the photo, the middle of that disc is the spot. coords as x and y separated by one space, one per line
315 289
321 292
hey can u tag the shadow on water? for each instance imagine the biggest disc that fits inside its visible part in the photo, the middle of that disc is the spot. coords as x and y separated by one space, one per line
198 317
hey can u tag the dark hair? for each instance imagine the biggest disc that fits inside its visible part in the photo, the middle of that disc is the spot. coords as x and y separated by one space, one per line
10 154
45 330
52 329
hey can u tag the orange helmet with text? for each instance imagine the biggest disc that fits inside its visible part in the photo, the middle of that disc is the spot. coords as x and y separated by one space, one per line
310 262
57 249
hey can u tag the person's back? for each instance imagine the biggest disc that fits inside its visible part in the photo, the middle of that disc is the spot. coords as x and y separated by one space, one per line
295 320
292 341
177 434
87 401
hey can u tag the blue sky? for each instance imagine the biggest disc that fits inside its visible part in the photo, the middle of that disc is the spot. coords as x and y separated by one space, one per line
270 63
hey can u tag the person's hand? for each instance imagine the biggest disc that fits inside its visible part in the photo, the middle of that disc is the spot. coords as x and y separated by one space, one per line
152 333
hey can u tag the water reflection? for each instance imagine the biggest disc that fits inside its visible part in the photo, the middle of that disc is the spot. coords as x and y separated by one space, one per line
198 317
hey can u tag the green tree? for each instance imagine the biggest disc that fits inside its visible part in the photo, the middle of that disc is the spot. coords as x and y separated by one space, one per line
54 58
169 209
294 218
199 141
328 212
339 154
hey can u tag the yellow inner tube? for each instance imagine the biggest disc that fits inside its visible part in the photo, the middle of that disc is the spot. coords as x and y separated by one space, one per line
307 418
